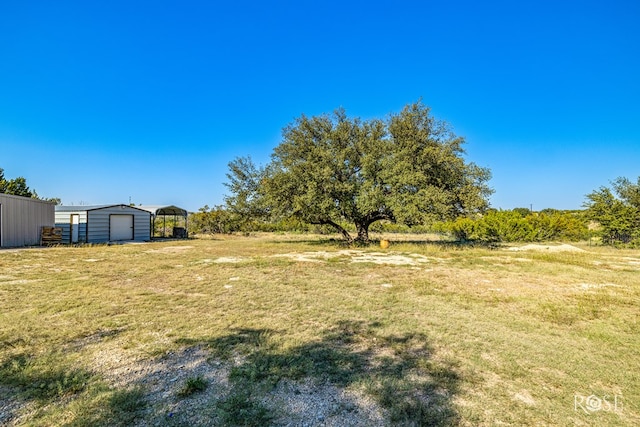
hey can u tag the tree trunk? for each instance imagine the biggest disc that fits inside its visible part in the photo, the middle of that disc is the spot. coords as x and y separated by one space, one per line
363 232
342 231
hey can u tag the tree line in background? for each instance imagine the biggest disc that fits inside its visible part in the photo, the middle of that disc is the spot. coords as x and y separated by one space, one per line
519 225
495 226
608 219
404 173
18 187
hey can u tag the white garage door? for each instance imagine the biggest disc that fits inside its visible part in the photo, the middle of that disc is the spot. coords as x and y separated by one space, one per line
121 227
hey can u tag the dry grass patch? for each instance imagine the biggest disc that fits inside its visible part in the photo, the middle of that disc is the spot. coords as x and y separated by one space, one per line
418 334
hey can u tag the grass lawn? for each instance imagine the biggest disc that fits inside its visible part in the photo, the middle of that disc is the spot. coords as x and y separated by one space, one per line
417 334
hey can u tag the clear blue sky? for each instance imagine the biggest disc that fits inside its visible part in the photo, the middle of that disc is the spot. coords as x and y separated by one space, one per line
102 101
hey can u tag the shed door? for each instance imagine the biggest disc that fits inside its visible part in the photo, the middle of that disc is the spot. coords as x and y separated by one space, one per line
121 227
75 225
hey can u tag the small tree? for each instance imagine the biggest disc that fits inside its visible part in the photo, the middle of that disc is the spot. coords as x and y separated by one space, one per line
617 211
332 169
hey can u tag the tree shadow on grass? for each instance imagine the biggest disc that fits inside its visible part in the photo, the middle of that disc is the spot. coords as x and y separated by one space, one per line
248 371
42 382
397 371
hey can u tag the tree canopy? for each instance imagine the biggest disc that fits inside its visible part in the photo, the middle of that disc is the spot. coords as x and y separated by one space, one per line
332 169
617 211
18 187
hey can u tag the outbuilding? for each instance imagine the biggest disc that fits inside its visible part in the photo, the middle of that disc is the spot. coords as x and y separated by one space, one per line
103 223
22 219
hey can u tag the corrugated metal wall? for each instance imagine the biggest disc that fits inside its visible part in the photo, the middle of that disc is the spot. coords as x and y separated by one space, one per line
95 223
22 219
98 223
63 220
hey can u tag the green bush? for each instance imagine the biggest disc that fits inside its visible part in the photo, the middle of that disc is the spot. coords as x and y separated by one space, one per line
512 226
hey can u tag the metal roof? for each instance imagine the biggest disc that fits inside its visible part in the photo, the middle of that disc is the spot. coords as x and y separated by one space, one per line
164 210
30 199
67 208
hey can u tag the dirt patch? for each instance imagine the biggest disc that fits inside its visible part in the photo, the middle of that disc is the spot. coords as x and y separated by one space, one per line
228 259
591 286
394 259
169 250
318 256
298 403
11 408
546 248
358 256
20 281
306 403
525 397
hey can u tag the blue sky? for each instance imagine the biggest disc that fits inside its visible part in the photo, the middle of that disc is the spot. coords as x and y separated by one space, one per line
110 100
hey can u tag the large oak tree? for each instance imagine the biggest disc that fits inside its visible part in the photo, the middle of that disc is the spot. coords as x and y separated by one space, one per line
332 169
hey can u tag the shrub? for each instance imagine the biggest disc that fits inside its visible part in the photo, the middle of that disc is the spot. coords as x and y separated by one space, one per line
512 226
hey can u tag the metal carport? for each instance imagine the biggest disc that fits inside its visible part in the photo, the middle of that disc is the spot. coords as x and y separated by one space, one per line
170 211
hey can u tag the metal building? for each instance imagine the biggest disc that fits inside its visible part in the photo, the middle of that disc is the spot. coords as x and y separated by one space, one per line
22 219
104 223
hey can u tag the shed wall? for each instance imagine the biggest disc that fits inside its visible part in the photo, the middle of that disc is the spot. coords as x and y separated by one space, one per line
22 219
98 222
63 220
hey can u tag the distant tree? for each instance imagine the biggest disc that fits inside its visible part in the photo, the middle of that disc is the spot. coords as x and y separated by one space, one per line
523 212
617 211
214 220
244 182
54 200
18 187
628 191
332 170
549 211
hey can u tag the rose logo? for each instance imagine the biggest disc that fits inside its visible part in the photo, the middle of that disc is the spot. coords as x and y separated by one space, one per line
594 403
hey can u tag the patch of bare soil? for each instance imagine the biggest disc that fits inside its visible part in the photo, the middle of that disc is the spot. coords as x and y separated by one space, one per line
591 286
359 256
10 407
20 281
169 250
294 403
546 248
228 260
